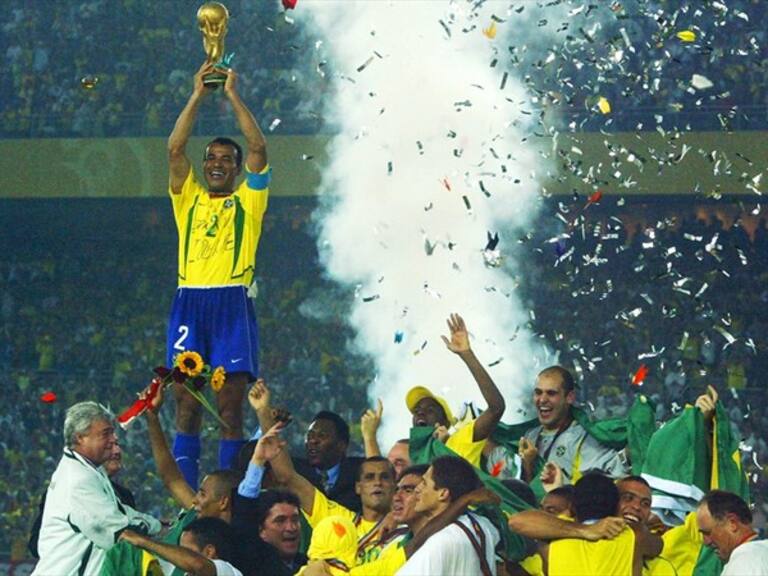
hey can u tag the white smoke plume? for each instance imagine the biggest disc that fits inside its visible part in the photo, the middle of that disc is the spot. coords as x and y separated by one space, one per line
431 152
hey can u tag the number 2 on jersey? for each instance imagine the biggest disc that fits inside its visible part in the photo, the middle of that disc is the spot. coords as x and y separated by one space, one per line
184 332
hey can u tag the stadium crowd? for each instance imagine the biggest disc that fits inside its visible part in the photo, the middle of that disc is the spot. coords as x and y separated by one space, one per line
645 70
50 342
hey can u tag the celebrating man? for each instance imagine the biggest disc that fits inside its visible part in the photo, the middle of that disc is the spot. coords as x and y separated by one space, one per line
559 438
83 516
219 225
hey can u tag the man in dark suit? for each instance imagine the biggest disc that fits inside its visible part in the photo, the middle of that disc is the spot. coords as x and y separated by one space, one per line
326 464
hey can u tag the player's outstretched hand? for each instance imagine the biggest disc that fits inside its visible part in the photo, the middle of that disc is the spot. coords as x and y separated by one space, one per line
258 395
459 341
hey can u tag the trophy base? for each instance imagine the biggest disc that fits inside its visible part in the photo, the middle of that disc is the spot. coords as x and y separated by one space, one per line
214 80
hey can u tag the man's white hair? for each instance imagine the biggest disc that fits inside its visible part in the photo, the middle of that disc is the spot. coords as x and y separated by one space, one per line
79 418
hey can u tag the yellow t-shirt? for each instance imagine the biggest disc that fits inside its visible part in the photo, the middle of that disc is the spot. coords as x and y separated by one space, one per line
391 559
461 442
218 237
367 530
572 557
682 545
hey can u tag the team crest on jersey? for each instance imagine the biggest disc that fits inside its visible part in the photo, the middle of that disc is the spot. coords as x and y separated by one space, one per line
560 451
228 203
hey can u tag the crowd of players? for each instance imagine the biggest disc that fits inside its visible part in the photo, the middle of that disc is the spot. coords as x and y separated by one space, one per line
431 506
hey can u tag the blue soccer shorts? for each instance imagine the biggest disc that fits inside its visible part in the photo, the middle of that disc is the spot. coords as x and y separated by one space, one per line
219 324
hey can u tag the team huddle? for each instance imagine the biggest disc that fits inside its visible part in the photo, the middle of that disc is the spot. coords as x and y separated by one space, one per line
468 495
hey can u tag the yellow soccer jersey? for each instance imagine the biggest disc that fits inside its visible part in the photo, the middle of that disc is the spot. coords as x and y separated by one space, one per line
572 557
462 444
391 559
367 530
218 236
682 545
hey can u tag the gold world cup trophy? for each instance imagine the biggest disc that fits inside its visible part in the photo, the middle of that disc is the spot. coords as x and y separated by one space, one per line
212 18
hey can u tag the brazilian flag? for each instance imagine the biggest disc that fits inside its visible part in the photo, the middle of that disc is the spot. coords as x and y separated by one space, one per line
685 460
125 559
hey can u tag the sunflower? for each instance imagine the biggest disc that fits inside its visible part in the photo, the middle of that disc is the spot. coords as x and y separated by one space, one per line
190 363
218 378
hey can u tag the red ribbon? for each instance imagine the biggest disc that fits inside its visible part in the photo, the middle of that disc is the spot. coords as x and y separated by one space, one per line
141 405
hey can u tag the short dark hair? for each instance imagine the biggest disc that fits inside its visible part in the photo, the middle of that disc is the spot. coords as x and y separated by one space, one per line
226 481
596 496
455 474
633 478
522 490
359 471
224 141
341 426
569 384
268 499
566 492
215 532
720 503
417 469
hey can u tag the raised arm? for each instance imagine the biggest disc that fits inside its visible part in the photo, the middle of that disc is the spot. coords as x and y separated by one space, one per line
280 460
543 526
459 345
185 559
256 144
369 425
167 468
178 163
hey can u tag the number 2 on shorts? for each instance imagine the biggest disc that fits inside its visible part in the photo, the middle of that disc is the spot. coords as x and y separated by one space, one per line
179 344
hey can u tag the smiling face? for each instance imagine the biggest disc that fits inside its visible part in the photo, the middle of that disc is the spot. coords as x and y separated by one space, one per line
634 501
553 403
404 501
220 168
376 486
428 412
97 443
282 529
207 501
324 448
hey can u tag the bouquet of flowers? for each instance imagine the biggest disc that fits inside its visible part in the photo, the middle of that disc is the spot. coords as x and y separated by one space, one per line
190 371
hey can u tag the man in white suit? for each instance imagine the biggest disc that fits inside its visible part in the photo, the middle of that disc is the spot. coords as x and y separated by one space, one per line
83 517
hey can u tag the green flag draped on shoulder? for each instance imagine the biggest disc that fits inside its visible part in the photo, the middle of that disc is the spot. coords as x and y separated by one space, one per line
632 431
424 448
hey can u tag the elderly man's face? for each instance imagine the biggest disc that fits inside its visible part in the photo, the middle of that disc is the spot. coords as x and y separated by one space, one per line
97 443
399 457
720 535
